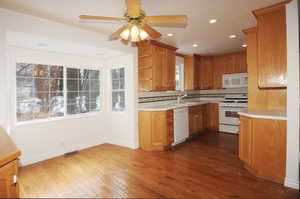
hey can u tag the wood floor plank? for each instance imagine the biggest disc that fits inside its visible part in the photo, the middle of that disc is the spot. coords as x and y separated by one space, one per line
204 167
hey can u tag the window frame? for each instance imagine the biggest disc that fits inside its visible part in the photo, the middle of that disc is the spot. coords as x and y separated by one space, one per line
66 116
180 62
116 90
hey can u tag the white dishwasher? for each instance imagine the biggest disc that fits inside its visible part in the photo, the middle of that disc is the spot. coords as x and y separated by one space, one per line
181 125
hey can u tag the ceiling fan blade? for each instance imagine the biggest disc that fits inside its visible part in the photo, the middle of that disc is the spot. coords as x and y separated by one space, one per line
153 33
133 8
116 35
90 17
167 20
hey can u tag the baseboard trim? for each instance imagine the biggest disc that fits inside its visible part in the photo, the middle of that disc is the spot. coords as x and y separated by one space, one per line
291 183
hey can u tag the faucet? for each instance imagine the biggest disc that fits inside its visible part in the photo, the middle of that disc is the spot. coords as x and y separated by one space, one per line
180 97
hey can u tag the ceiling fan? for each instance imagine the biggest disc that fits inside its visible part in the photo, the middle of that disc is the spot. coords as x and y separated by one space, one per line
138 24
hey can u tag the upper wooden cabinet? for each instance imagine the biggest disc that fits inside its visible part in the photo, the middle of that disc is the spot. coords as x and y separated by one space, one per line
228 64
191 72
156 66
272 52
206 73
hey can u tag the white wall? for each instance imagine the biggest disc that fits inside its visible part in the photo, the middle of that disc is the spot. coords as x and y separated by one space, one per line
43 140
123 125
292 164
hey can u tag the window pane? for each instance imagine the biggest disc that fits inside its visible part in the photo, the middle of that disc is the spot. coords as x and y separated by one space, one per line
56 72
115 84
25 85
25 69
84 106
73 85
122 72
94 96
41 85
56 104
56 85
118 101
72 73
24 110
73 109
94 74
115 74
73 98
41 71
94 85
84 84
122 83
84 74
95 106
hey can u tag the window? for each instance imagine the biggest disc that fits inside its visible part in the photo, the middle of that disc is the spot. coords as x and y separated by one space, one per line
179 74
83 91
118 89
40 92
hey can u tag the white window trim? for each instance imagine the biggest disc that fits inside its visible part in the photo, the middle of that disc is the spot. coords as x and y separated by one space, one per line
66 116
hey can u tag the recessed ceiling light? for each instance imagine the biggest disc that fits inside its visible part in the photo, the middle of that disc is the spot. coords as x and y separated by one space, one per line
213 21
195 45
244 45
170 35
232 36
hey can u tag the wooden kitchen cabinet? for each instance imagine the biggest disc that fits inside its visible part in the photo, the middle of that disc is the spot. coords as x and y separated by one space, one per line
240 62
272 50
197 119
212 115
262 147
9 187
206 73
156 66
156 130
192 72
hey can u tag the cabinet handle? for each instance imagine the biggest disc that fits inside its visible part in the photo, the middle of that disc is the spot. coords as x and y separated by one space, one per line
15 180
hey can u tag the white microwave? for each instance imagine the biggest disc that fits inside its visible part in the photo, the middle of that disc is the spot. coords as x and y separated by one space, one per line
237 80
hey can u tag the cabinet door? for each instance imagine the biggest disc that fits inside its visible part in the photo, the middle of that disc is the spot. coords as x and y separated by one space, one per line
272 58
158 64
240 65
189 71
145 68
213 117
197 73
169 82
206 73
218 71
9 188
170 128
245 140
158 128
269 148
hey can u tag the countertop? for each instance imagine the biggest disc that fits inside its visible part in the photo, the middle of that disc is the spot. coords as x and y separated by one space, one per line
171 105
8 149
265 114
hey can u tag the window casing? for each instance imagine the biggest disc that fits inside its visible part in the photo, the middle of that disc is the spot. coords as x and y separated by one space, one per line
118 89
42 92
179 76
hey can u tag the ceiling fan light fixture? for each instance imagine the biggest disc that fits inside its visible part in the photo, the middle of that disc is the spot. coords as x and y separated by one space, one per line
143 34
125 34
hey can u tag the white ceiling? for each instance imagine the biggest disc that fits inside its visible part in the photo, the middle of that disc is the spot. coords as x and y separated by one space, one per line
233 16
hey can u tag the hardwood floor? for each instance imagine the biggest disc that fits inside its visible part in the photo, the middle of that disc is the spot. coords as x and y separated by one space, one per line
206 167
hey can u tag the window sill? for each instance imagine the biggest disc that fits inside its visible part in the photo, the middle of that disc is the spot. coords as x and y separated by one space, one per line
68 117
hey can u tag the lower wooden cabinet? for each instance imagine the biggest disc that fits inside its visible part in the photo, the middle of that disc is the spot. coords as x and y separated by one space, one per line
156 130
212 116
9 188
262 147
197 119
